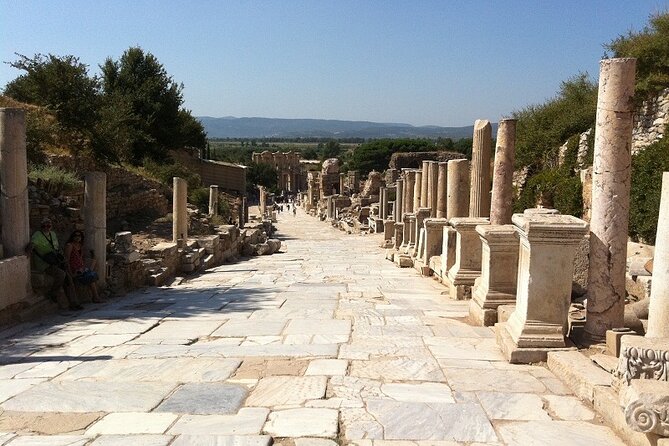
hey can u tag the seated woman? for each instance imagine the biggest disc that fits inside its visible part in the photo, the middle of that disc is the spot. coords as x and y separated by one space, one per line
76 267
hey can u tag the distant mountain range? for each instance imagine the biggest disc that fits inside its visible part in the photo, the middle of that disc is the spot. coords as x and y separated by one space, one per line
230 127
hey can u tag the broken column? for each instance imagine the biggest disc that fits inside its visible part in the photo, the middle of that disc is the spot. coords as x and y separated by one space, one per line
14 182
421 214
342 183
95 220
499 243
409 185
658 311
399 190
479 194
434 184
610 197
213 200
424 178
442 190
418 183
538 324
457 205
180 211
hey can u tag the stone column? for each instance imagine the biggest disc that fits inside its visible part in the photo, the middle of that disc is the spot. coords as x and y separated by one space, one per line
382 202
418 184
245 206
430 187
409 187
467 266
213 200
457 196
399 233
479 201
610 197
548 245
262 202
179 210
342 182
399 191
442 190
658 311
388 230
434 175
95 220
502 184
14 182
425 176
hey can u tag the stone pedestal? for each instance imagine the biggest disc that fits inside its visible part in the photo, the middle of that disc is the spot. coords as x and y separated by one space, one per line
14 182
425 175
421 215
457 197
434 238
388 232
610 197
548 245
179 210
449 242
95 220
499 270
658 311
502 183
442 190
399 235
479 195
467 266
213 200
411 219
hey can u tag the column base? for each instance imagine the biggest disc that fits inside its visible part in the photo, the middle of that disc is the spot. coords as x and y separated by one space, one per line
403 260
524 355
422 268
486 317
483 309
390 254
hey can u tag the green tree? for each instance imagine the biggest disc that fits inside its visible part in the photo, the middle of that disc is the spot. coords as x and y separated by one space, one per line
153 100
331 149
261 174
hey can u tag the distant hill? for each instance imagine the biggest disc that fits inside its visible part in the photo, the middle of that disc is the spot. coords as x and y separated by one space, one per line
230 127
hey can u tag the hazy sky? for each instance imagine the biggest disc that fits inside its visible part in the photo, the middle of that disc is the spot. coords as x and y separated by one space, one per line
443 62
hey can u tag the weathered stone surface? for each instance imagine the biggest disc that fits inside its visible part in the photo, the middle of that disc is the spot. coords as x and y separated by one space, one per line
398 369
248 421
292 423
567 408
645 403
52 440
328 367
204 399
132 423
579 372
45 423
516 406
421 393
284 390
556 433
222 440
134 440
460 379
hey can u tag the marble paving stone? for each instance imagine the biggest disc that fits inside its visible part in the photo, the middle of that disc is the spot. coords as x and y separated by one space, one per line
352 388
291 423
568 408
204 399
513 406
222 440
432 421
48 369
481 349
5 437
249 421
134 440
321 327
181 329
328 367
9 371
46 423
89 397
166 370
283 390
13 387
493 380
244 328
50 440
398 369
262 340
557 433
132 423
306 441
423 392
102 340
357 424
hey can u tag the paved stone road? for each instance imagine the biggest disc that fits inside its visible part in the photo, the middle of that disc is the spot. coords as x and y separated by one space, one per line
325 340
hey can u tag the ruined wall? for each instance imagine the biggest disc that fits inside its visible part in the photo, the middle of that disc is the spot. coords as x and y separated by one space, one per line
414 160
650 121
227 176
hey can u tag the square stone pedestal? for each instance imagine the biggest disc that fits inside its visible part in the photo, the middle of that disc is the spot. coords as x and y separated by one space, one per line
467 266
499 267
447 252
548 245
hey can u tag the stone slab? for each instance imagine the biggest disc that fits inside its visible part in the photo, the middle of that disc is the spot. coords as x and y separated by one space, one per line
248 421
421 393
557 433
398 369
222 440
493 380
45 423
579 373
285 390
134 440
513 406
292 423
327 367
204 399
132 423
51 440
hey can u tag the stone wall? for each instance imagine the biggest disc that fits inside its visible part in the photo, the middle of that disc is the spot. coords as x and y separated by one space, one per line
414 160
129 193
650 121
228 176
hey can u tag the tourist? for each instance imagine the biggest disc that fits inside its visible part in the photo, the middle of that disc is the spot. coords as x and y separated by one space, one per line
76 267
49 260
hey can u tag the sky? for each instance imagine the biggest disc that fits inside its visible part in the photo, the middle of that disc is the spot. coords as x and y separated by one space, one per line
418 62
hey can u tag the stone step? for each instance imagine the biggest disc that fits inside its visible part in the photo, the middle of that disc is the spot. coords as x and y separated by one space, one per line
579 373
158 278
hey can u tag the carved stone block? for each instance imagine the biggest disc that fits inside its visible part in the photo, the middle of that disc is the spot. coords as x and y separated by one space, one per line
643 358
646 406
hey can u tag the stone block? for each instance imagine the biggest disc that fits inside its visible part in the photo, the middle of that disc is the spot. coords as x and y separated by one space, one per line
643 358
504 312
607 406
163 249
645 403
613 338
525 355
579 373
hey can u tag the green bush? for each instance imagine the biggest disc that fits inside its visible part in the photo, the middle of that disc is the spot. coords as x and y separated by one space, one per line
647 168
553 188
200 198
166 172
54 180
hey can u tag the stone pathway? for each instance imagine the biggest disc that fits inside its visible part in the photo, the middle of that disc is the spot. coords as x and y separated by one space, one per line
324 342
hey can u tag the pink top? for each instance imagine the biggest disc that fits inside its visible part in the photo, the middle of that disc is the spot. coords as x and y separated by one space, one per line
76 259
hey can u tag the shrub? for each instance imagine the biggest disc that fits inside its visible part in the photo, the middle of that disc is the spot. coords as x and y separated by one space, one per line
166 172
647 168
553 188
200 198
54 180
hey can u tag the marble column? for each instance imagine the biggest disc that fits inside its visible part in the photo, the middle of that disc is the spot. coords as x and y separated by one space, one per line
213 200
399 191
425 175
409 187
382 203
14 182
457 195
245 213
658 311
179 211
442 190
479 195
262 205
502 183
94 212
538 324
418 183
430 188
434 180
467 266
611 177
342 183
